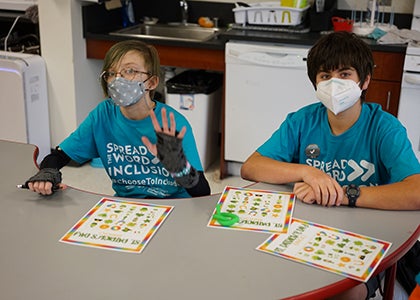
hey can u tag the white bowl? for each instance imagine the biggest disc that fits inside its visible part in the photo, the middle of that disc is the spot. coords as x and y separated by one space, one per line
150 21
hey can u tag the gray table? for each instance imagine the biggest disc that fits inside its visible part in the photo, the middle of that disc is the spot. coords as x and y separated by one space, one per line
184 260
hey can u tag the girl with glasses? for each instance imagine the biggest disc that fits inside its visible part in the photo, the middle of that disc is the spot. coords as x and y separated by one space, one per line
147 148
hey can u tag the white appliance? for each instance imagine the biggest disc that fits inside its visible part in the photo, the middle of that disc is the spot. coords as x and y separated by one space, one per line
264 82
24 102
202 112
409 107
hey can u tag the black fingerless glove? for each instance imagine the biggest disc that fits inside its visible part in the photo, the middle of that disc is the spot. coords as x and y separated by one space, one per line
48 174
172 157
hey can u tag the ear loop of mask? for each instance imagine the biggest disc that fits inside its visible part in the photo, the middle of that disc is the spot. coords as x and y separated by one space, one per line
147 90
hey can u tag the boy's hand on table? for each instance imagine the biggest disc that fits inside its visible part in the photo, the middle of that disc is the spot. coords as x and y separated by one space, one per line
304 192
319 188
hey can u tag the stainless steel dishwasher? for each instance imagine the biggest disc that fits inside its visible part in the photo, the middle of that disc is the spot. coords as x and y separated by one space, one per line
264 82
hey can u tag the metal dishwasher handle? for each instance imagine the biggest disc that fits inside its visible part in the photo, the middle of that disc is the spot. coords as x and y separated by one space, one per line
412 79
272 59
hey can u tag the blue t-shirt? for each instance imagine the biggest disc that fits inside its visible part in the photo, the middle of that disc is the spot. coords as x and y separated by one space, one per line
134 171
374 151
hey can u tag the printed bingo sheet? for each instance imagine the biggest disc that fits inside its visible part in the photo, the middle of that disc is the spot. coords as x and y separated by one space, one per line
257 210
342 252
118 225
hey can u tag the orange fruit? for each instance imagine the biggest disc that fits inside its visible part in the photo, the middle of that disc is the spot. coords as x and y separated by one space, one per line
205 22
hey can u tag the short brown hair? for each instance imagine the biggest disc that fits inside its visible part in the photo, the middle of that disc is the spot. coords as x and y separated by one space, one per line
339 50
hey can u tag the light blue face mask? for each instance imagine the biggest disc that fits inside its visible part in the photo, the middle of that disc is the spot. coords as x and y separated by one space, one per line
125 92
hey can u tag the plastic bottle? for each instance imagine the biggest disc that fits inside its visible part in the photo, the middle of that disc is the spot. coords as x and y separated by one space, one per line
372 12
415 294
319 5
127 13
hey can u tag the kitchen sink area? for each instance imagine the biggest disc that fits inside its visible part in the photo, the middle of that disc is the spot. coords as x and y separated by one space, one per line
174 32
182 43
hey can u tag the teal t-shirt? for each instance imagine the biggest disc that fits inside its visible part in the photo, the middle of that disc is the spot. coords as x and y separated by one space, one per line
134 171
374 151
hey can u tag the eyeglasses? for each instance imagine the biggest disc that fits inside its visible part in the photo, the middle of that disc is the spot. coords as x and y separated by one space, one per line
128 74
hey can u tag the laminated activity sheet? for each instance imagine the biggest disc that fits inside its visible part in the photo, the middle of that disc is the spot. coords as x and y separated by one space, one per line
256 210
118 225
338 251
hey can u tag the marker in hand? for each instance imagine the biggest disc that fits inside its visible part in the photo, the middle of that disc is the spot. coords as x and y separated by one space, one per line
26 187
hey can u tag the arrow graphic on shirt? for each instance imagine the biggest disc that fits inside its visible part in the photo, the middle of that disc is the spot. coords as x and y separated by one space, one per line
358 171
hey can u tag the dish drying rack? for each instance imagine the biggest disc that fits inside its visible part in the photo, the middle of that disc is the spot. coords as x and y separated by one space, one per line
271 28
269 13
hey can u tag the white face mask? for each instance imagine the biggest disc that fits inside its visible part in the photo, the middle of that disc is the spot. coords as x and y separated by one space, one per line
338 94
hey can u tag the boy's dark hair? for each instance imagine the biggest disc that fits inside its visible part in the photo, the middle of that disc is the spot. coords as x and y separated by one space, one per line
339 50
117 51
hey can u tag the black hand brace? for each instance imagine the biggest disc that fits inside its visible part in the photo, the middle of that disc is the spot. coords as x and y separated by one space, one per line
172 157
48 174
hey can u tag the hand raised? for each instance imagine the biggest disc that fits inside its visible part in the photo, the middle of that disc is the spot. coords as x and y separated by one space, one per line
168 130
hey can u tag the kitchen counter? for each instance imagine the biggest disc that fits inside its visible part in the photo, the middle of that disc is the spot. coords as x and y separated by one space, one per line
209 55
98 22
195 55
306 38
218 43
